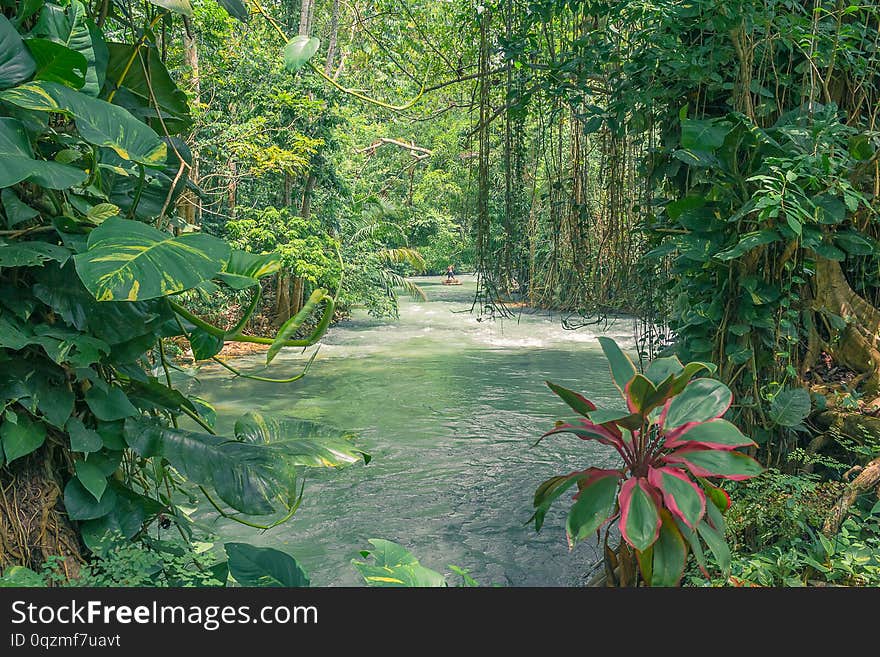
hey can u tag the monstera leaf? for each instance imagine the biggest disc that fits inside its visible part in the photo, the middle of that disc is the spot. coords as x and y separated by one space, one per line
263 566
245 269
301 442
98 122
129 261
251 474
298 51
58 63
16 63
393 565
17 162
70 29
147 85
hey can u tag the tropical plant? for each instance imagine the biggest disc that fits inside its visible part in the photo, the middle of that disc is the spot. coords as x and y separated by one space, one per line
94 260
394 566
671 439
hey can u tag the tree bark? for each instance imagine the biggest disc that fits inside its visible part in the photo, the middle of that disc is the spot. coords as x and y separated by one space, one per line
282 298
33 523
334 35
232 189
188 205
868 479
305 17
859 344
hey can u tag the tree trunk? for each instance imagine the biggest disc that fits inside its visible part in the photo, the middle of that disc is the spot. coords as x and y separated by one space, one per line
188 204
33 523
296 299
232 189
282 298
306 208
305 17
334 35
858 346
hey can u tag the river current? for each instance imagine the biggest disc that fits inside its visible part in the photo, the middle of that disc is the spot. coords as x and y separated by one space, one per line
449 407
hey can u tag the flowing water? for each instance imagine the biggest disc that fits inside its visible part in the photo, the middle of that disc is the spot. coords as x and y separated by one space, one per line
449 407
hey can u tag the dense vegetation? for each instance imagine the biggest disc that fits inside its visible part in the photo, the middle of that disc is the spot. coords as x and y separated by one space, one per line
181 174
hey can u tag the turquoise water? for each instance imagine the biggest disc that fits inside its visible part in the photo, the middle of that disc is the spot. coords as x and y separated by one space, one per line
449 407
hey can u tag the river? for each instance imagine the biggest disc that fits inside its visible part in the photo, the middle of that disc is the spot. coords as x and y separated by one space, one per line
449 407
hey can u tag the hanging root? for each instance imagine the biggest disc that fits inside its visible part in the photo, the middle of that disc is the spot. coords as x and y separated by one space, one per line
33 524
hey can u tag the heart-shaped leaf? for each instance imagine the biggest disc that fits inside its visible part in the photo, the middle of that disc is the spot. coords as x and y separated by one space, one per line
298 51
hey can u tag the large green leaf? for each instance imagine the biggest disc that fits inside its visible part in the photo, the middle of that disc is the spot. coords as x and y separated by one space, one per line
80 504
16 211
291 326
128 260
145 85
394 566
110 404
576 401
701 400
92 479
177 6
40 387
21 437
70 28
264 566
298 51
592 508
31 254
16 63
660 369
245 269
98 122
622 368
703 134
236 9
58 63
716 463
300 442
639 518
670 553
83 439
790 407
717 433
248 477
17 162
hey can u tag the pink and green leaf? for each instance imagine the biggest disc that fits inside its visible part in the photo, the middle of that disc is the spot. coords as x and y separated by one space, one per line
717 434
625 419
637 392
693 539
717 544
639 519
587 430
670 553
700 401
549 491
703 462
578 403
622 368
680 495
593 506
